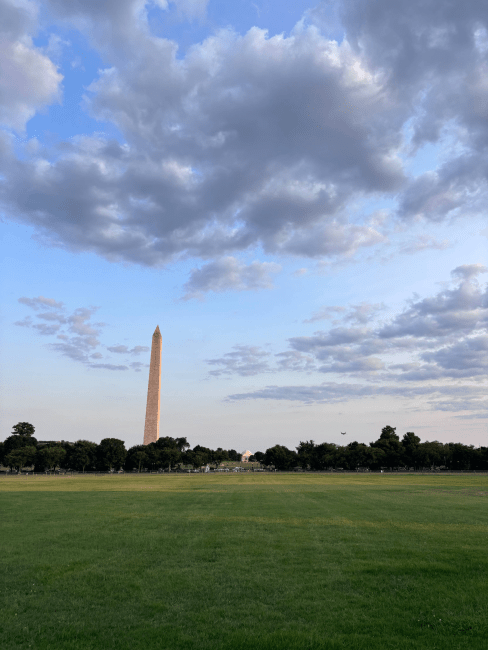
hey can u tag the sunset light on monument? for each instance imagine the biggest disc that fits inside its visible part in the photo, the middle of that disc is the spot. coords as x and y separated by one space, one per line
151 426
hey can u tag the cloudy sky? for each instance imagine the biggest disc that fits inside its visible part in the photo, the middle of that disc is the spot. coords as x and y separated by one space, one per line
295 192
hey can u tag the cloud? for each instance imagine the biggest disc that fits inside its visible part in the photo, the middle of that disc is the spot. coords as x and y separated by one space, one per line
77 336
220 157
229 274
453 311
41 303
46 330
433 59
468 271
436 346
245 360
334 392
108 366
293 360
29 79
25 322
123 349
253 141
357 314
422 243
137 366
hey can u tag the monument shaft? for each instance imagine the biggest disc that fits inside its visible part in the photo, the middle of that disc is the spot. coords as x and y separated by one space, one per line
151 427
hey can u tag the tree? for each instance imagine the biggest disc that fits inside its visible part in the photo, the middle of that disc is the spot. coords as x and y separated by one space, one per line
132 461
140 457
410 444
153 454
166 442
390 443
170 457
259 456
83 454
204 452
23 429
305 452
111 453
218 456
324 456
358 455
281 457
20 457
460 455
193 458
51 457
430 454
16 441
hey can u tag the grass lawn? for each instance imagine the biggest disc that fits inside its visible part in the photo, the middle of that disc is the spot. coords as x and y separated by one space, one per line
244 561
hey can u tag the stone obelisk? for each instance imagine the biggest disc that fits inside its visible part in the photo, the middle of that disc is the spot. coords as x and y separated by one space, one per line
151 427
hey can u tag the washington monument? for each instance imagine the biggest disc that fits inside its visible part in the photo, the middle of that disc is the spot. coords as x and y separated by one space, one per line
151 427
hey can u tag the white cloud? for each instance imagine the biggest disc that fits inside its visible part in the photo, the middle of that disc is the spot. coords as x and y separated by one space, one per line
228 274
29 80
77 336
443 337
247 141
245 360
123 349
41 303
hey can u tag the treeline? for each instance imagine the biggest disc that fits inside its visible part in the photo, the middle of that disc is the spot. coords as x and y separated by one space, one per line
21 450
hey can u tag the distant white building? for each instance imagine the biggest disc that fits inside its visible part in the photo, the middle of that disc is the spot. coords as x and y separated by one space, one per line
245 456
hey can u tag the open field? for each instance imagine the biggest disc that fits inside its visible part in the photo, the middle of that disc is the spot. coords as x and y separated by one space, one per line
244 561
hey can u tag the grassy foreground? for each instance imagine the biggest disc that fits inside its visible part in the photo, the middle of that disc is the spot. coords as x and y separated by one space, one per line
244 562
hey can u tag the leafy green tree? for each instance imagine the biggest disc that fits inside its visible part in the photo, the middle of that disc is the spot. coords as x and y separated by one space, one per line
132 461
166 442
16 441
390 443
193 458
430 454
140 457
81 455
377 458
24 429
305 453
170 457
259 456
280 457
153 453
204 452
170 451
218 456
357 455
51 457
410 444
324 456
20 457
461 455
111 453
480 459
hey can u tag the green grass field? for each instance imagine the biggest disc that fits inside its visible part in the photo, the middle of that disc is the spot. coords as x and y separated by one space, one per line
244 561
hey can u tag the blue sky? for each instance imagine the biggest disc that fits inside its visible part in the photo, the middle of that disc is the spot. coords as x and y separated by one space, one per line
294 192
